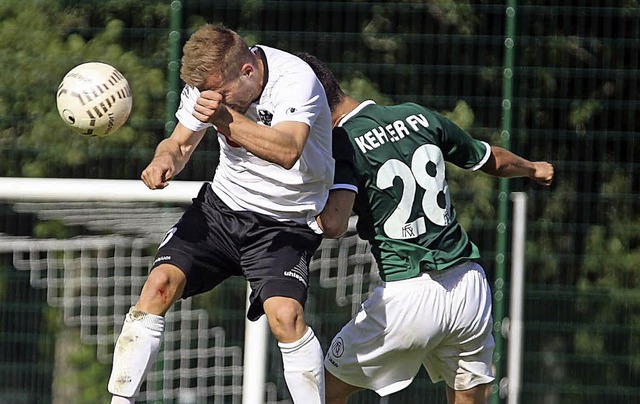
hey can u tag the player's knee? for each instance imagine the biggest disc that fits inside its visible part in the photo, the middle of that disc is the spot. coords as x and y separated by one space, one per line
337 391
285 319
162 288
476 395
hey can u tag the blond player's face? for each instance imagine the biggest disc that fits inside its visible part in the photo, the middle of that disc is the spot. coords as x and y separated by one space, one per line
237 93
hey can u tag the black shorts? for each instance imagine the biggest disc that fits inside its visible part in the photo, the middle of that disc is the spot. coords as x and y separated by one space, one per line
211 242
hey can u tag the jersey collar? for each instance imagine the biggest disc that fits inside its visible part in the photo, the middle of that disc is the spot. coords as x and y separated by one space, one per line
265 75
354 112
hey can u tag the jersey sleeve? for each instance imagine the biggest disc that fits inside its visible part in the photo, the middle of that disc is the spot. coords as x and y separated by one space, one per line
184 114
300 98
345 174
460 148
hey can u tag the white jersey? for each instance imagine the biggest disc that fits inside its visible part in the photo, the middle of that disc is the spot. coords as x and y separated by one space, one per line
245 182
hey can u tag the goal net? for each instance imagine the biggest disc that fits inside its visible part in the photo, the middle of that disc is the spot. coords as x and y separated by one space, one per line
95 276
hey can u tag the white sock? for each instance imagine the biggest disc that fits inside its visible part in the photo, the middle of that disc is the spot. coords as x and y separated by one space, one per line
135 352
304 369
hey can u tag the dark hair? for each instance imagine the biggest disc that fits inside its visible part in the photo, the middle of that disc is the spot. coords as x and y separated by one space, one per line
326 77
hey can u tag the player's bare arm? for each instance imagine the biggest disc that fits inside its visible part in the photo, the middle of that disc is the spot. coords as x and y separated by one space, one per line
280 144
334 218
505 164
170 157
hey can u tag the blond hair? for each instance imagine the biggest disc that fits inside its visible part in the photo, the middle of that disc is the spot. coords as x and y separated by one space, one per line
213 49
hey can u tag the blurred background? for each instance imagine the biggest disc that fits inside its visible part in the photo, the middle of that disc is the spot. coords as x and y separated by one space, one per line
555 81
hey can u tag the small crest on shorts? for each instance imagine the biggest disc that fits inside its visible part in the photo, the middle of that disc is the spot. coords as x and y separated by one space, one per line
337 347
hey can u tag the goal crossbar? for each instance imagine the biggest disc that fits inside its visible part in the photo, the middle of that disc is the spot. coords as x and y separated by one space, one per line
72 189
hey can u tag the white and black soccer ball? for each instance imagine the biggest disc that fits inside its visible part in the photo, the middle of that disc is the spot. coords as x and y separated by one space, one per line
94 99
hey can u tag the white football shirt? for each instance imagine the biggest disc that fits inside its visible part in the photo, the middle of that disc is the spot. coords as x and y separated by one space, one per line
245 182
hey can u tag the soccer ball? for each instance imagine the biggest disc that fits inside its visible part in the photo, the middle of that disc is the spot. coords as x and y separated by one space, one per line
94 99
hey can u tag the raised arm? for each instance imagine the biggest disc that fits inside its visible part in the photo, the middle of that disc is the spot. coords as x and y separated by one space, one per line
505 164
280 144
170 157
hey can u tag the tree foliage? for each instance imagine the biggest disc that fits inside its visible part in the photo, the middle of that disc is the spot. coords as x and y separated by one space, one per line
35 55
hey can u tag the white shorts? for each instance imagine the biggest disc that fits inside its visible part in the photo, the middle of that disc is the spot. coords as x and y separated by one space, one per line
441 320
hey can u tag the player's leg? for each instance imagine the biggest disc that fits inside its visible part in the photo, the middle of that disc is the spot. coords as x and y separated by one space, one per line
275 260
189 261
163 288
139 341
464 358
301 351
286 318
382 347
337 391
474 395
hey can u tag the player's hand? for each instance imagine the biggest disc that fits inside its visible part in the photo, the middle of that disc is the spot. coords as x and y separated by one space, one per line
208 106
158 173
543 174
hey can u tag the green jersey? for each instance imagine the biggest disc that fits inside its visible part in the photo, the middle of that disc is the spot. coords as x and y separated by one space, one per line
395 156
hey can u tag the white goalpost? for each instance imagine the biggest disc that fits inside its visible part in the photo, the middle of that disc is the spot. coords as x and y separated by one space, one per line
516 301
